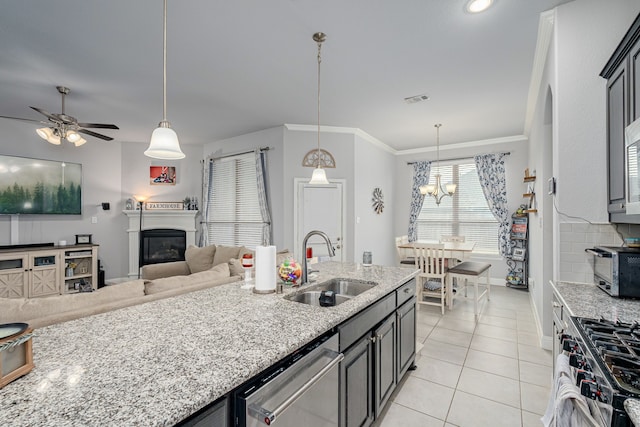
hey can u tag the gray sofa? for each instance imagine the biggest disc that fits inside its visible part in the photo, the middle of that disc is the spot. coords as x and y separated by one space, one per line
204 268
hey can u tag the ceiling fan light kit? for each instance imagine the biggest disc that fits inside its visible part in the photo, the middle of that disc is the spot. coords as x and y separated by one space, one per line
164 142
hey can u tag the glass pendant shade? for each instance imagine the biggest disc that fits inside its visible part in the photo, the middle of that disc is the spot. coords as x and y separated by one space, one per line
451 188
319 177
73 136
80 142
164 143
48 135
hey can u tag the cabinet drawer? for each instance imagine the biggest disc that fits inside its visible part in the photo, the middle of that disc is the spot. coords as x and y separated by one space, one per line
354 328
406 291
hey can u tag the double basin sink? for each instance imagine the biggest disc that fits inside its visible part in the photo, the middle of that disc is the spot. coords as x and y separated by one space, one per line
332 292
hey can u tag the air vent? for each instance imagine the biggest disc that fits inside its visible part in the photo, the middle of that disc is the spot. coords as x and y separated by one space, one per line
416 98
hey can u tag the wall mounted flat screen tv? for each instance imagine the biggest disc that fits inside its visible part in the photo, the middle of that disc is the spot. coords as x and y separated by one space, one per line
35 186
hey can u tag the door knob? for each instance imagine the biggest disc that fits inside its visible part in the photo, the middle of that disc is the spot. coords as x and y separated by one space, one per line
337 239
337 246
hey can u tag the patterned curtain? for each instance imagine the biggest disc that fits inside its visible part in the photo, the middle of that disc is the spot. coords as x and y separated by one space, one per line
421 172
206 188
263 196
491 173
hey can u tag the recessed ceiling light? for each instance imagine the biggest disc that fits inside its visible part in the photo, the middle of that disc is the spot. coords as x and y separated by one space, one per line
476 6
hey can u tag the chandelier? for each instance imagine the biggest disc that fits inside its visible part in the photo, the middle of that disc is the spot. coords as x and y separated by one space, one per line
436 190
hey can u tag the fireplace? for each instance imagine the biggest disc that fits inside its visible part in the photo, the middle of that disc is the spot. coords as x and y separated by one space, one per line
160 245
180 220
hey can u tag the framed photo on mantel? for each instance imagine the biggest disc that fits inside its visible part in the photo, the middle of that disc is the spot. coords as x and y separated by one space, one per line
162 175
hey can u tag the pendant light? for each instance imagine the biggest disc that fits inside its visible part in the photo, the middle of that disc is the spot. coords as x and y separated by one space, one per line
436 190
319 176
164 140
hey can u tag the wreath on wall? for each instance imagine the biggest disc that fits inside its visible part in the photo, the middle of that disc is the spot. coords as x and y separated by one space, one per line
378 200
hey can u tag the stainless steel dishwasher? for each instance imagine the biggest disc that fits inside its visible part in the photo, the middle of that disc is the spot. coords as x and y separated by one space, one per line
301 390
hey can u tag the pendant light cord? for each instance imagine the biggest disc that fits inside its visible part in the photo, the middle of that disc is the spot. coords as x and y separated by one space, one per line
164 64
319 61
437 126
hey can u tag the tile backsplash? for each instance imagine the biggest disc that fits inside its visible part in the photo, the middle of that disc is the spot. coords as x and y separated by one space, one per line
575 264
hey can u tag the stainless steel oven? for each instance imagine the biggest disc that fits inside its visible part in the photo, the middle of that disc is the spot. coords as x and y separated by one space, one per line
301 390
616 270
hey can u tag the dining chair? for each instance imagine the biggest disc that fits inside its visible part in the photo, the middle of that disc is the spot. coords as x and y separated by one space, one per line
403 257
431 282
456 239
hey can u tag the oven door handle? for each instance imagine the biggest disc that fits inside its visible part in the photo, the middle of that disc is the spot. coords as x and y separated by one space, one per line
598 253
268 417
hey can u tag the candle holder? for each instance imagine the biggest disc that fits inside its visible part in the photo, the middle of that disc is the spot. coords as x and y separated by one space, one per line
247 264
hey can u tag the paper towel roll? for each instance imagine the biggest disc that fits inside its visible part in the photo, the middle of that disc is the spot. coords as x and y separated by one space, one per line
265 269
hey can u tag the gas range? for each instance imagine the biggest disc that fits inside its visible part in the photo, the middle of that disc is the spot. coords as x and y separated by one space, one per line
605 356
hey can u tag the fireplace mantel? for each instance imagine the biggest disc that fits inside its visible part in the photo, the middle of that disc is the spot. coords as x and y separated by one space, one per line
177 219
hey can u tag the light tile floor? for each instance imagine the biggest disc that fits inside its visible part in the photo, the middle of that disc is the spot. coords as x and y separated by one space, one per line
489 373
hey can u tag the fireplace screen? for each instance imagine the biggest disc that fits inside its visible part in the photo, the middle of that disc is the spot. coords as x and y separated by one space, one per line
162 245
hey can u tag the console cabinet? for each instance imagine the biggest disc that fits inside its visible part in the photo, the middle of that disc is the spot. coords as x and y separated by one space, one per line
43 271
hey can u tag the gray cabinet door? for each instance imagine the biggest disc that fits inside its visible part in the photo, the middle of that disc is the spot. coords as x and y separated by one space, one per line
634 73
356 385
385 362
406 336
617 111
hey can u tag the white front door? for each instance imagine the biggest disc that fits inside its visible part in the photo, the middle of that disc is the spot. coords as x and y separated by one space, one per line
320 207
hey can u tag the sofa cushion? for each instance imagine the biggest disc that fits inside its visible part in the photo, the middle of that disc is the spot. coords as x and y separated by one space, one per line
200 259
27 309
225 253
176 282
165 269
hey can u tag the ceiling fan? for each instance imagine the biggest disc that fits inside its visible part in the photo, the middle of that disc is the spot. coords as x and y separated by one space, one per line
61 126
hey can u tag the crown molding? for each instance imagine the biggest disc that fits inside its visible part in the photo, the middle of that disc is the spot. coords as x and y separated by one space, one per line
545 33
469 144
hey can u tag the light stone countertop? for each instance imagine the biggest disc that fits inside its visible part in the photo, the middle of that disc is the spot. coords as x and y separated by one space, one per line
587 300
632 406
156 363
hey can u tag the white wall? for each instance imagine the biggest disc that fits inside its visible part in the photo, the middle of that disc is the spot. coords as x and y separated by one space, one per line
373 167
585 34
515 165
297 143
112 171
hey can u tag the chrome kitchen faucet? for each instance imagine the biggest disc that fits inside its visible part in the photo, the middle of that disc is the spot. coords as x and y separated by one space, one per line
332 251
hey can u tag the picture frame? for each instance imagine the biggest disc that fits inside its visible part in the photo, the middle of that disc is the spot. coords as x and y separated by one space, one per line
83 239
162 175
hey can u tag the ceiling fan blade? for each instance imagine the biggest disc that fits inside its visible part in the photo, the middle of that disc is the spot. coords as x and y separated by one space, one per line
45 113
97 135
98 125
26 120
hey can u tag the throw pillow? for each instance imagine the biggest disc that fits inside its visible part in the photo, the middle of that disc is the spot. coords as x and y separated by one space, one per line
200 259
235 267
225 253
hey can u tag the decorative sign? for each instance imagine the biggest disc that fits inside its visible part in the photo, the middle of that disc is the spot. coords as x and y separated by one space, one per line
159 206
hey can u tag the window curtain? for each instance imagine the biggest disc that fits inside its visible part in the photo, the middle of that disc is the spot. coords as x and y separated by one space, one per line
421 172
491 173
206 188
263 196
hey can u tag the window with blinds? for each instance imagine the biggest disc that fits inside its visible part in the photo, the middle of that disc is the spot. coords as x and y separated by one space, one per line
233 215
465 214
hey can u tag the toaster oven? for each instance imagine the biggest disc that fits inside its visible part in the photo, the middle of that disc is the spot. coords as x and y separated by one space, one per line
616 270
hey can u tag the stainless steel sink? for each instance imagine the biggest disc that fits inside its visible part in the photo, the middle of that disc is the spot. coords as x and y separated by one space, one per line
313 298
344 290
349 287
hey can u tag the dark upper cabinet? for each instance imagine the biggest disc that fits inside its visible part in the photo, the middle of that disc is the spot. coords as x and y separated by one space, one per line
622 72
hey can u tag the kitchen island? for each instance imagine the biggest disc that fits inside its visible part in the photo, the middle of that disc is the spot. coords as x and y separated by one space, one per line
157 363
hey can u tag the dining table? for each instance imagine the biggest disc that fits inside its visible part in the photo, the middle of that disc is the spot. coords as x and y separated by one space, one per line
452 250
